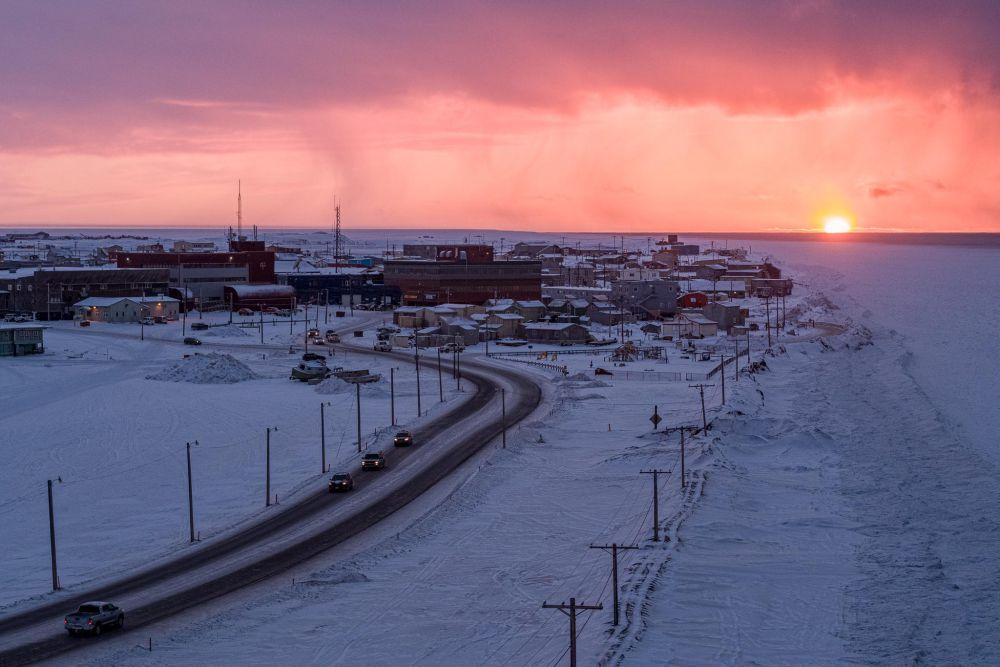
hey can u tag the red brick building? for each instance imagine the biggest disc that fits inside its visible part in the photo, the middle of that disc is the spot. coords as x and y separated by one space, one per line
461 274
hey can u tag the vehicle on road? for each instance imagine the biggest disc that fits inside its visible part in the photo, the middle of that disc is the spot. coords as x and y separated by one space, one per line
373 461
148 321
199 326
92 618
403 439
312 356
332 336
313 333
84 323
342 481
383 346
192 341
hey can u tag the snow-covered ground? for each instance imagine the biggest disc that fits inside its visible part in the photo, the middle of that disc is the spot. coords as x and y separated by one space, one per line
110 415
843 508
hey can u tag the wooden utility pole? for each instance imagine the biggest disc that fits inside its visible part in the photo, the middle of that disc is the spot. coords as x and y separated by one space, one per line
392 396
190 492
357 389
767 303
416 366
613 549
723 376
267 468
322 435
52 538
571 610
503 417
701 391
440 378
655 472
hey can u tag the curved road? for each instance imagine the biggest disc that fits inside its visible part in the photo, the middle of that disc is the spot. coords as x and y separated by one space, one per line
277 542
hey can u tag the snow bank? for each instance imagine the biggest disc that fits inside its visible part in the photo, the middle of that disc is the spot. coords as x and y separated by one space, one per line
210 368
228 331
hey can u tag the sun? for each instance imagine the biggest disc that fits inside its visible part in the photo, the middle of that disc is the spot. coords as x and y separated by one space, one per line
836 224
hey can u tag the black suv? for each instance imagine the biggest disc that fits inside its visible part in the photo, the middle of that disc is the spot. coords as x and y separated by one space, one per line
403 439
373 461
342 481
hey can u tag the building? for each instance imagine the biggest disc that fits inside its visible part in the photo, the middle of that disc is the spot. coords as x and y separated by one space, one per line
727 313
16 340
463 273
692 300
765 287
258 297
126 309
504 325
688 325
51 292
202 275
553 332
646 299
350 284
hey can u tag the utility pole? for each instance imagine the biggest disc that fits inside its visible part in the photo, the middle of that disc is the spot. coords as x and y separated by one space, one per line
262 325
736 360
392 396
322 435
723 375
701 392
267 474
571 610
503 417
613 549
440 380
655 472
190 492
416 366
52 538
357 388
767 303
458 371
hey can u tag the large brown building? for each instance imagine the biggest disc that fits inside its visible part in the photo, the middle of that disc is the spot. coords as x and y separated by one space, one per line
461 274
205 274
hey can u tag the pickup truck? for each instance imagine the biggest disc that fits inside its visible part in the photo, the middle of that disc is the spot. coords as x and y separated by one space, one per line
92 618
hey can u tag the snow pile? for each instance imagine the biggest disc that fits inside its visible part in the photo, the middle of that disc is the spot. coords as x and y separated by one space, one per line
211 368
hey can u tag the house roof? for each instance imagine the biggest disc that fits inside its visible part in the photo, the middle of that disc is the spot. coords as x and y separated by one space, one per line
551 326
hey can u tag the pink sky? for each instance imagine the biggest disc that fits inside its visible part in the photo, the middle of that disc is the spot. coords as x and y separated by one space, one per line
645 116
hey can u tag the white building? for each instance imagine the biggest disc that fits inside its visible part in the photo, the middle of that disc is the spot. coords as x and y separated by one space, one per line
126 308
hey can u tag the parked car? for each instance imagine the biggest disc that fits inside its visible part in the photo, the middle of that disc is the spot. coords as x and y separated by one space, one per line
198 326
403 439
312 356
92 618
374 461
602 371
84 323
271 310
245 312
452 347
160 319
383 346
192 341
311 371
342 481
149 321
332 336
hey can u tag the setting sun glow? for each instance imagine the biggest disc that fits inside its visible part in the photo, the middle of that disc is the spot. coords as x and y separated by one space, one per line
836 224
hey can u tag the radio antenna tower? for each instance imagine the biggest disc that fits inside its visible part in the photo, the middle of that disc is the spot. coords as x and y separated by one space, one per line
338 239
239 210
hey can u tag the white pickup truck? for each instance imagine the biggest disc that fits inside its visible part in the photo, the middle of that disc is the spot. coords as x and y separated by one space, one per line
92 618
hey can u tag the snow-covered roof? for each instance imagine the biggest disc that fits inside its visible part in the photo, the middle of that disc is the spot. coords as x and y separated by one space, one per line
551 326
409 310
99 301
243 291
534 303
508 316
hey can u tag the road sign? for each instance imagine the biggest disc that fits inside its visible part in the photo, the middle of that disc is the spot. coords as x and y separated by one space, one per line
655 418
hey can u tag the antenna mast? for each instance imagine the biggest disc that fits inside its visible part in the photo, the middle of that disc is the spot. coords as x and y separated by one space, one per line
239 210
338 240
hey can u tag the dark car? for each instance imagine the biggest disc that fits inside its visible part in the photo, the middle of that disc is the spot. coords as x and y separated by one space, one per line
198 326
602 371
192 341
374 461
342 481
93 617
403 439
312 356
313 333
84 323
